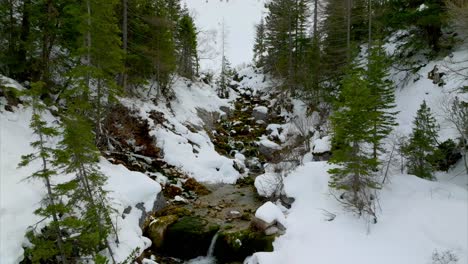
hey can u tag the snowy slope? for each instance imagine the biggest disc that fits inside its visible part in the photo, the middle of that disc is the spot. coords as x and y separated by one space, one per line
417 218
19 197
183 138
239 17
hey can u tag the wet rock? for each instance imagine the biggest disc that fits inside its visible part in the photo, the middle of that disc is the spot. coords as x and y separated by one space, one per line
157 229
233 214
259 224
271 230
158 204
172 190
174 210
235 246
189 237
192 185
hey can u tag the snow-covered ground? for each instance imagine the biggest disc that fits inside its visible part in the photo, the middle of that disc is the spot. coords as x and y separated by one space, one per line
417 218
19 197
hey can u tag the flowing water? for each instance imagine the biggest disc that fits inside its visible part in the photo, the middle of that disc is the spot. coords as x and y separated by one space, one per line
209 258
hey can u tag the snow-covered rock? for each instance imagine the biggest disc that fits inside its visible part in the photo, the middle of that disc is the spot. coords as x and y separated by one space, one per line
322 145
270 213
260 113
268 184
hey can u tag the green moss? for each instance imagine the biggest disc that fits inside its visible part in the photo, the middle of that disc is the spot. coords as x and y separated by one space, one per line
237 245
189 237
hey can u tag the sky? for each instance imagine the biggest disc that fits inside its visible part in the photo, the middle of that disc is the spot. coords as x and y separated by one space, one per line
239 16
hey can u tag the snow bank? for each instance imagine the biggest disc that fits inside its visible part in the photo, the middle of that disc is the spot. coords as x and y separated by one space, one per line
417 217
20 197
190 150
322 145
127 189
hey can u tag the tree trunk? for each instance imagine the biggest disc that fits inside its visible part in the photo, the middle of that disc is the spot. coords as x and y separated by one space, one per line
52 203
125 44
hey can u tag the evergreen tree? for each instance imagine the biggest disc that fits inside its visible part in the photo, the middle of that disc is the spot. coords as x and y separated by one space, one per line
78 156
45 249
383 93
420 151
259 46
187 46
286 40
352 125
224 78
102 57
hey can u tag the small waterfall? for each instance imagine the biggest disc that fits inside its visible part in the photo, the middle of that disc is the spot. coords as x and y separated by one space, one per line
209 258
212 246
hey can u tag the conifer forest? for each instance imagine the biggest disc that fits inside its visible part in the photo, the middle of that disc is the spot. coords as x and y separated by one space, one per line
233 131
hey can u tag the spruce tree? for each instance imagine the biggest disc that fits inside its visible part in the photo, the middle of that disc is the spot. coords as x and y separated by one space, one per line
420 151
187 46
45 246
383 93
102 58
78 155
352 127
259 46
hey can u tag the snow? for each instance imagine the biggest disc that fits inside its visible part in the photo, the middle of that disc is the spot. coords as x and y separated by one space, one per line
417 217
270 212
422 7
261 109
19 197
267 184
7 82
181 138
322 145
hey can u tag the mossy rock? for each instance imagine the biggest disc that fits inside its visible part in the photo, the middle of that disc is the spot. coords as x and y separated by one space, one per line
157 229
189 237
235 246
174 210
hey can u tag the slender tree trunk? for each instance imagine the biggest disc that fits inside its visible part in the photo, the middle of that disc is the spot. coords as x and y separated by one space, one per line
88 41
125 44
370 27
52 203
290 51
24 36
87 186
348 29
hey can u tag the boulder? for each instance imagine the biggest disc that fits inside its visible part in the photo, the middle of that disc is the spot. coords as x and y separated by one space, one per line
157 229
260 113
189 237
235 246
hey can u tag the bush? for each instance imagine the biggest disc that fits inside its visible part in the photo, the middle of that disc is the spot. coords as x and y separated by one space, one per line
447 155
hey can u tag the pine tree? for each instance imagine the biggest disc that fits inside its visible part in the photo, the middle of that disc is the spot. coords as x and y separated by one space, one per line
352 127
286 40
420 151
187 46
224 78
45 249
78 155
259 46
382 90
